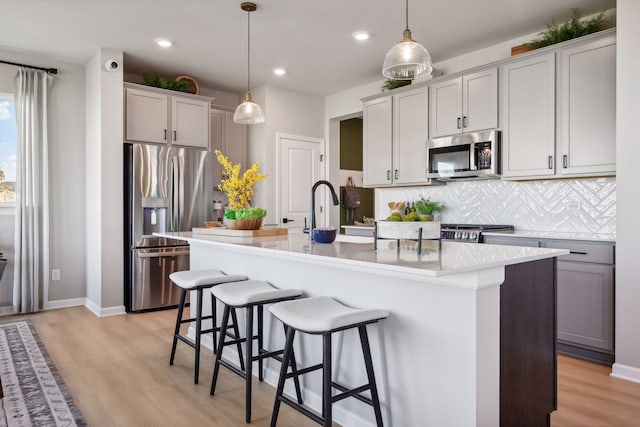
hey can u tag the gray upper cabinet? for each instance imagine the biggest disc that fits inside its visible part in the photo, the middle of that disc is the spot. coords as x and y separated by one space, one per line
159 116
528 123
395 134
410 135
558 111
377 140
465 104
588 107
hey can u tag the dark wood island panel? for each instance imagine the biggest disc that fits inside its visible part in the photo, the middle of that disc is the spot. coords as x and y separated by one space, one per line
528 363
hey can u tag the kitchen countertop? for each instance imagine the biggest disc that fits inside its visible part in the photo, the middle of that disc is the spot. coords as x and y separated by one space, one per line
454 258
560 235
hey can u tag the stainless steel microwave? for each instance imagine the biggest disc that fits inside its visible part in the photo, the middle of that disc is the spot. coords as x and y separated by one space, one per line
465 156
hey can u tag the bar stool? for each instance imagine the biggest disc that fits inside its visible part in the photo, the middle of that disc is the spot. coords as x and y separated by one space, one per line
198 280
324 316
250 294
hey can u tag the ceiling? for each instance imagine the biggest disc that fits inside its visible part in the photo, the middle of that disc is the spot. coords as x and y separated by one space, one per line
311 39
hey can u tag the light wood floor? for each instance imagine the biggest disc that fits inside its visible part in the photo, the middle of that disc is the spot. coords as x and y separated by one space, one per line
117 369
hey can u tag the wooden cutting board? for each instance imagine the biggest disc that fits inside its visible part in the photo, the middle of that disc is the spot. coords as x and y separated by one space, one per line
223 231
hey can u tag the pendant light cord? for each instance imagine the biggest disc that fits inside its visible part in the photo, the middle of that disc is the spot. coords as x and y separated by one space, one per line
406 10
248 50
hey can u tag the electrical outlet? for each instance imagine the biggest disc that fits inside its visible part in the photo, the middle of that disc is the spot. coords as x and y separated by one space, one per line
573 206
55 274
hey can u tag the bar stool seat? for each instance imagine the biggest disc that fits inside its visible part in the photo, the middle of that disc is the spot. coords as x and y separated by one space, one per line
250 294
198 280
323 316
318 315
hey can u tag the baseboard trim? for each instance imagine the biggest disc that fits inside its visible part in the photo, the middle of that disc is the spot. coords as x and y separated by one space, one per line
65 303
625 372
104 311
6 310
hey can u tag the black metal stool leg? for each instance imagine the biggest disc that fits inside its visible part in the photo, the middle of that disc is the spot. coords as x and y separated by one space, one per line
236 332
214 323
196 374
326 379
366 352
294 370
288 350
183 294
260 343
216 366
248 358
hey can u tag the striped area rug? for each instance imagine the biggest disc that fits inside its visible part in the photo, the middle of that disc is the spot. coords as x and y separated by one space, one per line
34 393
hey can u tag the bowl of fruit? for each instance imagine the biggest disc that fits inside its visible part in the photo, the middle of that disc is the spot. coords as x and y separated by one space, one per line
407 226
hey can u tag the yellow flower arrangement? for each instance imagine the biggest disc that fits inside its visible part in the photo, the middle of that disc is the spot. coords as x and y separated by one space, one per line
239 190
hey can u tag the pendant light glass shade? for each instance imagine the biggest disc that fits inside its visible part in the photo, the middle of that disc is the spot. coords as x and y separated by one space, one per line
408 59
249 112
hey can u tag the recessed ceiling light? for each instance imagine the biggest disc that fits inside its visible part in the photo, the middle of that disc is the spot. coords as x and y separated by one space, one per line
279 71
164 42
361 35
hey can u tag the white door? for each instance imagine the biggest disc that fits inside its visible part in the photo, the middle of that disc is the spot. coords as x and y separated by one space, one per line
377 138
146 116
190 122
299 167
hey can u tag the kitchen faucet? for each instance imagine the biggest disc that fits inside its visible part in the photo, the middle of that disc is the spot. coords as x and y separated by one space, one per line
336 202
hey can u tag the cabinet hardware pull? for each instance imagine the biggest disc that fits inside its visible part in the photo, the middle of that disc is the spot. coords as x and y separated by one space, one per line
565 161
395 175
165 135
459 127
465 121
550 162
577 253
388 175
175 135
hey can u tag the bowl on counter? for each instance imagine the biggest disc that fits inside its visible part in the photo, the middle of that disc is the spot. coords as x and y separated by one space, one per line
324 234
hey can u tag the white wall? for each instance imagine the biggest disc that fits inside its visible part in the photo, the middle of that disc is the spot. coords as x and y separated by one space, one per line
628 151
104 168
66 179
286 111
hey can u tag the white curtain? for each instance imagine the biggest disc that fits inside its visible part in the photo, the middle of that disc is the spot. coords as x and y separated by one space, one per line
32 191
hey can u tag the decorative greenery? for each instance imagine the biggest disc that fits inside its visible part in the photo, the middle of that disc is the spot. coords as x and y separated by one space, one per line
571 29
255 212
155 80
427 207
391 84
239 190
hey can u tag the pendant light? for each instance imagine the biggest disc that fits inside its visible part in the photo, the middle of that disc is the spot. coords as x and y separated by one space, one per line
408 59
249 112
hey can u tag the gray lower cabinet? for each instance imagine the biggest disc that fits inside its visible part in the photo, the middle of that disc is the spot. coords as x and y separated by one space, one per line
586 289
585 304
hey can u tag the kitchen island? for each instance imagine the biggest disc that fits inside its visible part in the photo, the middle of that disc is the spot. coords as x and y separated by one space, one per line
470 340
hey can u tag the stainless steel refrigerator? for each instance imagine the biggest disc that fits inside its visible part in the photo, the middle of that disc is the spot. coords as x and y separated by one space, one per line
167 188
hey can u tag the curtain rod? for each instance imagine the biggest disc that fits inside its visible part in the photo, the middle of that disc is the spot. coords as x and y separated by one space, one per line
48 70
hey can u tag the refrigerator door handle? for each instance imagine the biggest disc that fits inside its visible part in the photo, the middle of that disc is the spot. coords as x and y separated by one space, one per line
174 201
161 254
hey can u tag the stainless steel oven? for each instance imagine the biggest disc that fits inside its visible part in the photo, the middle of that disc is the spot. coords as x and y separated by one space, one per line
465 156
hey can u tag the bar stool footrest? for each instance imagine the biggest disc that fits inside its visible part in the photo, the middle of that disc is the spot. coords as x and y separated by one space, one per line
186 341
232 368
354 392
303 371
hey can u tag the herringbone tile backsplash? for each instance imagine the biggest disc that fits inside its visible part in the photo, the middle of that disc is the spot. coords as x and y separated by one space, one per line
577 205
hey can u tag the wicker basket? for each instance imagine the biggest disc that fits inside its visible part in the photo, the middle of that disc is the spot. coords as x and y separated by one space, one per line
244 224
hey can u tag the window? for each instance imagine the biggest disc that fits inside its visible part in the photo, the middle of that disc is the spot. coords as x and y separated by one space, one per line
8 148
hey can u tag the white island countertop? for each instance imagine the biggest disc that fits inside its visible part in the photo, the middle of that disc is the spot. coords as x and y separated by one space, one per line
454 258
